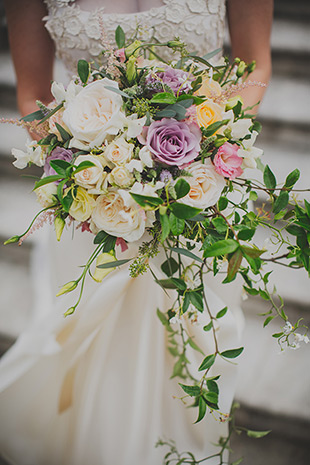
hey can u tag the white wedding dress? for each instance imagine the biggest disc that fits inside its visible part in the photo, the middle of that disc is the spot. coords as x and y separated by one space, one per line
95 387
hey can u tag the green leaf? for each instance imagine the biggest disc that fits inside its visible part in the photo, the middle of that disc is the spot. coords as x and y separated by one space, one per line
237 462
212 386
109 244
268 319
202 408
170 266
120 37
269 178
166 283
145 200
186 302
164 320
281 202
220 224
251 251
115 263
232 353
246 234
196 300
165 227
164 97
67 200
211 397
208 327
183 211
222 203
233 266
307 207
59 166
118 91
257 434
194 346
176 224
47 180
253 196
187 253
214 127
83 70
222 247
222 312
179 283
192 391
82 166
64 134
292 178
207 362
36 115
182 188
100 237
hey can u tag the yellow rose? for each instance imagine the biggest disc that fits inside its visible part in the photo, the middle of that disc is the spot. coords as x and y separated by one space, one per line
209 88
82 205
208 113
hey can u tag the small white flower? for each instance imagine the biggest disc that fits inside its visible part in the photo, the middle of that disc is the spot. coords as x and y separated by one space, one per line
287 328
146 157
135 126
34 154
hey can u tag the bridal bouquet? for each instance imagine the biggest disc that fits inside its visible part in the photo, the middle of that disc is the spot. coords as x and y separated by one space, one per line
139 145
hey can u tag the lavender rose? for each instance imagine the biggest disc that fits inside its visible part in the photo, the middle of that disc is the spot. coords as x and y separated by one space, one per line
173 142
177 79
57 154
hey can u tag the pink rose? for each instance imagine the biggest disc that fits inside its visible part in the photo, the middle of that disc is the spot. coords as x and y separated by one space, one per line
227 161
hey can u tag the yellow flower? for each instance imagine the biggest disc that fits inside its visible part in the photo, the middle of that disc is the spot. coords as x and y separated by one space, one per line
82 205
208 113
209 88
101 273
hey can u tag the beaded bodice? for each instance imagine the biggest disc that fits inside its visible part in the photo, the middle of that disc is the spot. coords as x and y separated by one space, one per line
79 31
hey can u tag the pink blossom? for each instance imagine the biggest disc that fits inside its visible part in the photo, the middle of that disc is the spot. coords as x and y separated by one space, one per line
227 161
122 243
120 53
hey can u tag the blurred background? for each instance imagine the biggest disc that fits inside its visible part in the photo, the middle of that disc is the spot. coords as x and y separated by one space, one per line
274 387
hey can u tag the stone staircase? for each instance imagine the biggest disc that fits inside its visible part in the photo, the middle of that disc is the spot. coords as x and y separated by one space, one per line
273 389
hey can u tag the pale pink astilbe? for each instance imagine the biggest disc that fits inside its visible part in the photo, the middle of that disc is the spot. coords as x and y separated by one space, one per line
112 61
235 89
45 217
41 130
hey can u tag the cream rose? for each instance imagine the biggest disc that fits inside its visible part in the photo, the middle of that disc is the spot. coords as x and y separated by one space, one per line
112 215
90 178
119 151
120 177
209 88
206 185
46 195
94 113
82 206
208 113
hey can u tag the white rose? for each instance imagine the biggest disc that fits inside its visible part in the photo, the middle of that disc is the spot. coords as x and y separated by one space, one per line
121 177
94 113
90 178
114 217
206 185
119 151
34 154
249 156
46 195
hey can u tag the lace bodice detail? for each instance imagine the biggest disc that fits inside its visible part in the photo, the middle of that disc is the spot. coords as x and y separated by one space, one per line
78 33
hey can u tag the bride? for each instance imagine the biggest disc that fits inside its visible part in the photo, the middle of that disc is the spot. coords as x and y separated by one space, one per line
95 387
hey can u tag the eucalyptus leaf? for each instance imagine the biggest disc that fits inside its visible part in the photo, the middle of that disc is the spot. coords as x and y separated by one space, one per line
115 263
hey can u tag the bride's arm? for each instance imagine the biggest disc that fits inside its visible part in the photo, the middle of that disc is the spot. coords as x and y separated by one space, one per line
250 24
32 51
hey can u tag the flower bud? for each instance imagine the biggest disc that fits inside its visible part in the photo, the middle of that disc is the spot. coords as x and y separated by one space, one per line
251 66
70 286
241 69
101 273
69 311
12 240
59 224
133 49
220 141
174 43
162 210
233 101
131 71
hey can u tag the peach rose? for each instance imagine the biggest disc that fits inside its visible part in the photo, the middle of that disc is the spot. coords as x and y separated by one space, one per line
209 88
208 113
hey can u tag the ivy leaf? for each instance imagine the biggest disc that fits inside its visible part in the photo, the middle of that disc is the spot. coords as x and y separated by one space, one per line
269 178
222 203
232 353
83 70
196 300
179 283
170 266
